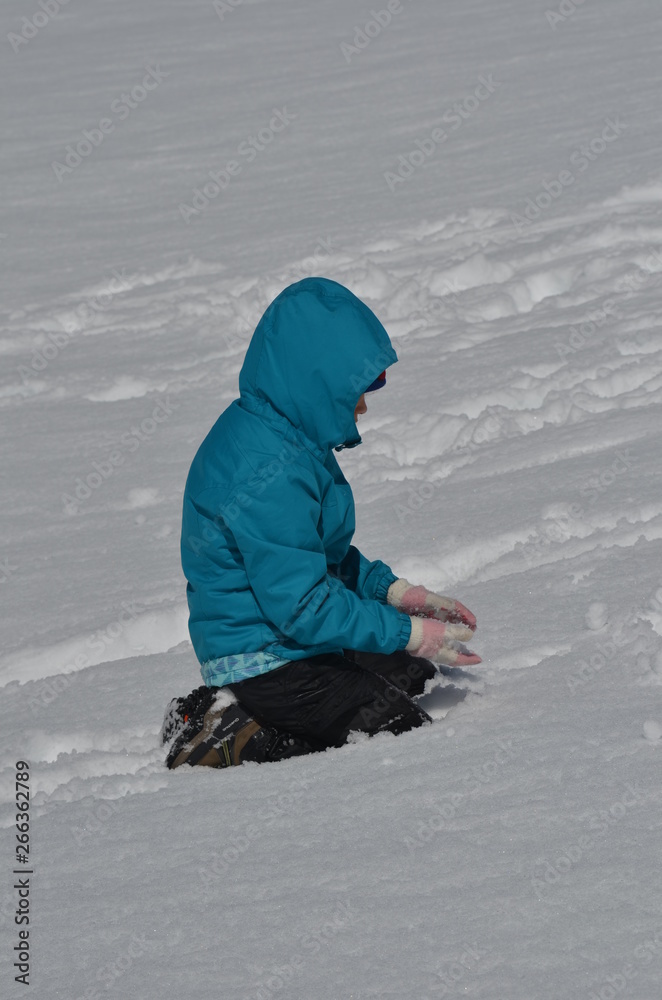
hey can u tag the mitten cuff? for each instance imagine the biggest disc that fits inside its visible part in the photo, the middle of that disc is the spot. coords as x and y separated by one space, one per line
416 637
396 592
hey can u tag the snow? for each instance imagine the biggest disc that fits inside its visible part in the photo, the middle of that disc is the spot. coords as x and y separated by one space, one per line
511 849
652 730
597 616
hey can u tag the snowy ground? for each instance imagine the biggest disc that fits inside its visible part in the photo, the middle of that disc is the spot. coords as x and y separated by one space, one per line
511 851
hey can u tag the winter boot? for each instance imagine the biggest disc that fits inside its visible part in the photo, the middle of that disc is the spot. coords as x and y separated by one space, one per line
208 731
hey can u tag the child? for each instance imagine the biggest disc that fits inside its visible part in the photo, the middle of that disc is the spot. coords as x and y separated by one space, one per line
301 639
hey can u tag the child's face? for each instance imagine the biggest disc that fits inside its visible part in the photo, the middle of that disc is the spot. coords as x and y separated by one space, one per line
361 407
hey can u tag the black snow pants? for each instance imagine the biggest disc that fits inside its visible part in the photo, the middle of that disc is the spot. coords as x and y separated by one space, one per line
322 699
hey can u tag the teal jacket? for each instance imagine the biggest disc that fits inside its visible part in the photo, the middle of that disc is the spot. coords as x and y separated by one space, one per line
268 516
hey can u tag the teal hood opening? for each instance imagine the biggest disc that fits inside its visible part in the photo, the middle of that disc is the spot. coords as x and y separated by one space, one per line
316 349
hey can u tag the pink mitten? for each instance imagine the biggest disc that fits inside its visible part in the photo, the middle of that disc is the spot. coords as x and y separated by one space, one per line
420 601
436 641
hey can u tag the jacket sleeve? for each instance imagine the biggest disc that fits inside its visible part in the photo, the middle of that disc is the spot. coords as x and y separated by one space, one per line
277 535
370 580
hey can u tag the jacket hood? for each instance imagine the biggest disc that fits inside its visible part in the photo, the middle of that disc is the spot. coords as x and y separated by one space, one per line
316 349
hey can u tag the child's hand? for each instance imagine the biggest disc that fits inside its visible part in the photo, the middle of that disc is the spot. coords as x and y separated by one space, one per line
439 642
420 601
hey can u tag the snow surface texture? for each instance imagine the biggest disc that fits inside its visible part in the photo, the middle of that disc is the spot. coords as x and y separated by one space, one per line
510 851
